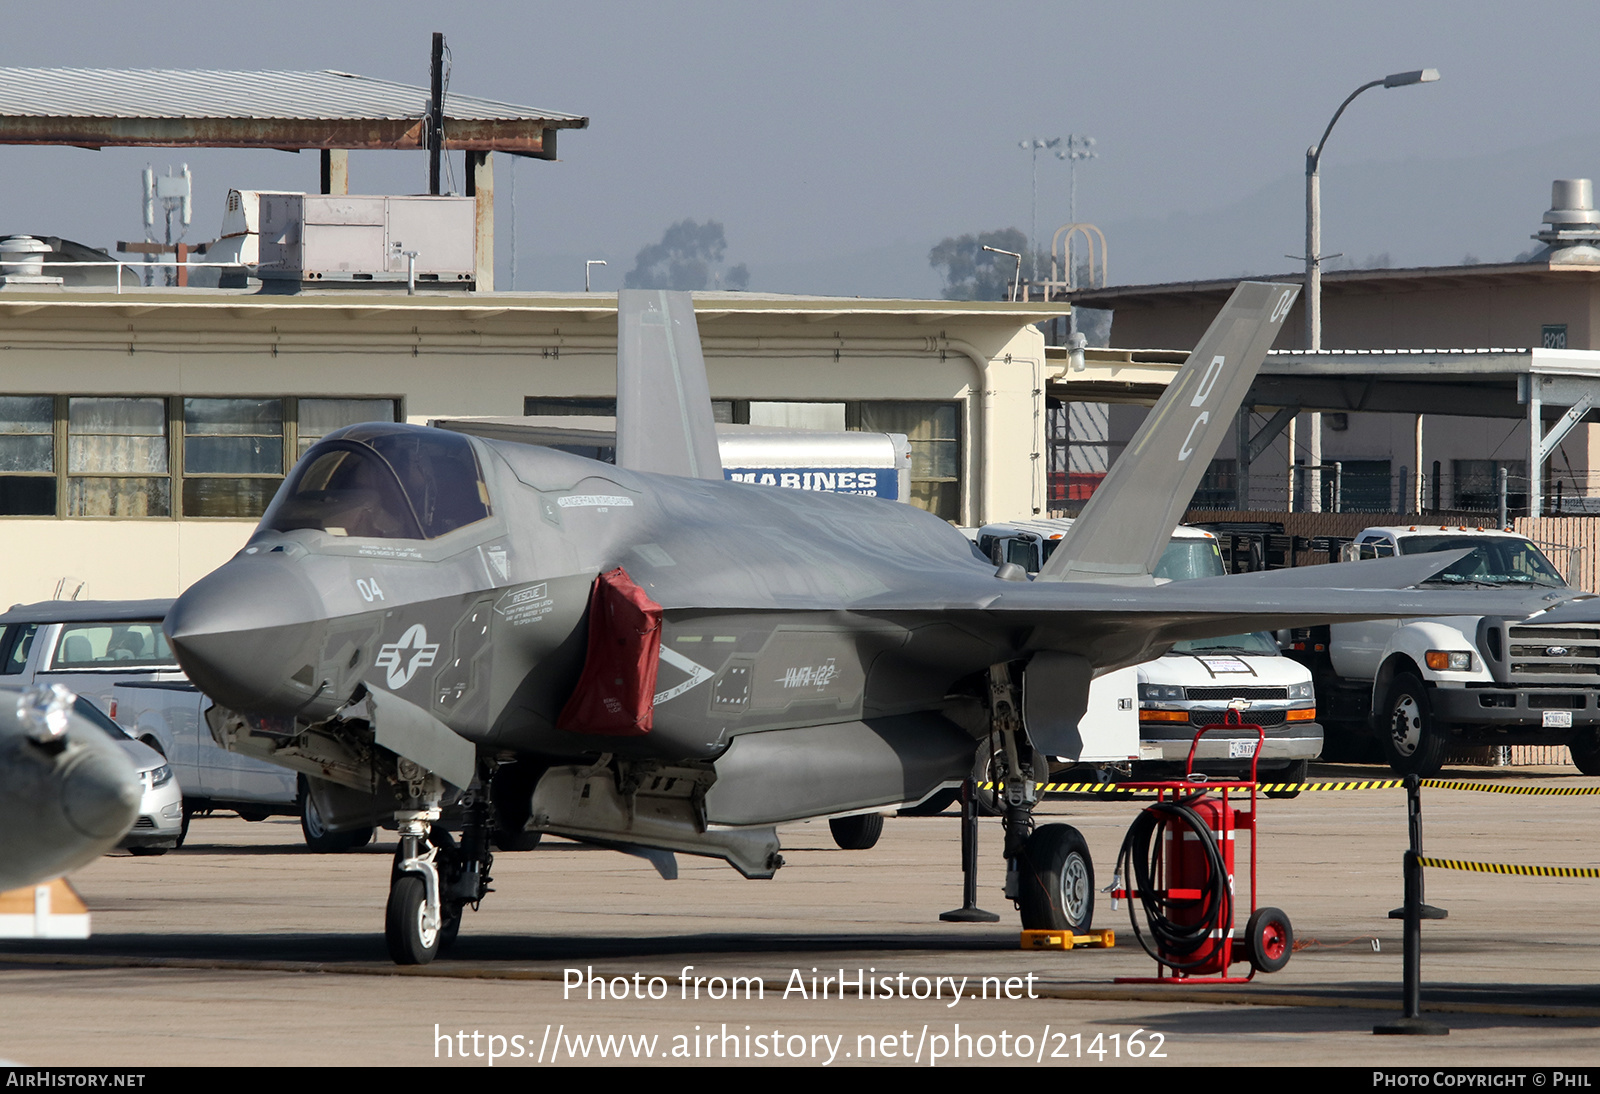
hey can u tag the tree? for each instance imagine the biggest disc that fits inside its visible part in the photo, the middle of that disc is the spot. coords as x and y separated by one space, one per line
971 273
688 258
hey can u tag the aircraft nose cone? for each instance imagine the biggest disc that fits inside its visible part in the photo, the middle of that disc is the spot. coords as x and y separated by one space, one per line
241 632
100 794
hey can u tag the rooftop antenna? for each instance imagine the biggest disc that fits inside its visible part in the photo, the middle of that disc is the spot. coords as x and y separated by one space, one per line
173 193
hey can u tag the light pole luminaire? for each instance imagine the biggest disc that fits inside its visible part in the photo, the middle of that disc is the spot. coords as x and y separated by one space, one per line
1314 257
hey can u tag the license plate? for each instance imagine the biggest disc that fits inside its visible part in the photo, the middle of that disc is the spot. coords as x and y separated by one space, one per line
1558 719
1243 750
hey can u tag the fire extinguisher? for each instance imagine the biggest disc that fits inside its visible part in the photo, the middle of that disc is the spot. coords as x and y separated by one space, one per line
1183 875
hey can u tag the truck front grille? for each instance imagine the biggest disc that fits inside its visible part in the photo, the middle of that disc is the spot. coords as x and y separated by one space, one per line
1552 653
1226 692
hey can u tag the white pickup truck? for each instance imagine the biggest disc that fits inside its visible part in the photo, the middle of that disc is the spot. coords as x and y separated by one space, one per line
1196 683
1420 685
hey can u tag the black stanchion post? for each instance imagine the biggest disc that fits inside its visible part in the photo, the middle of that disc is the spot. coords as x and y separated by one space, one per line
969 912
1413 913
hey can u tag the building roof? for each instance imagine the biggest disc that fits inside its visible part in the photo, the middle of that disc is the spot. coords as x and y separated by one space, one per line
1337 282
289 110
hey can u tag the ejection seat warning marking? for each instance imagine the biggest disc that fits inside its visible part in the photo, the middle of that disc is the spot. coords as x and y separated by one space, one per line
698 674
586 501
523 606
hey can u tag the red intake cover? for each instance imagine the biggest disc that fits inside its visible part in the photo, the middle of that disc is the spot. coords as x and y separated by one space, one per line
616 693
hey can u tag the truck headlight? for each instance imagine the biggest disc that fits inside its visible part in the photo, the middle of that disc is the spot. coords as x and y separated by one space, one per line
1160 693
1449 660
1301 691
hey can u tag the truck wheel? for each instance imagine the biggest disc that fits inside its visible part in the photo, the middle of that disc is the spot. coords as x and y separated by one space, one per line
1412 741
1585 749
319 838
1294 773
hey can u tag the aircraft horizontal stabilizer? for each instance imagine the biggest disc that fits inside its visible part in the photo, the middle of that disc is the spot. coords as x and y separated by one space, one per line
1126 524
664 421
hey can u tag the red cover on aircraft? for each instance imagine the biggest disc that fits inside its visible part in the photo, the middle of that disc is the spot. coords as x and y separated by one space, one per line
615 695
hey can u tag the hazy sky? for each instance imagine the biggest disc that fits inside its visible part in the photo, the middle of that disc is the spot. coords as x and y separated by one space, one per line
838 141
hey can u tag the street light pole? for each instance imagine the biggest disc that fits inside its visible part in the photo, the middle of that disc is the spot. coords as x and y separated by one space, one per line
1017 277
1314 257
1033 147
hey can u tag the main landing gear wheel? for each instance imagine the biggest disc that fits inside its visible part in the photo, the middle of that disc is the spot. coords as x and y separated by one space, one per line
1056 887
1412 741
856 833
1268 940
320 838
409 941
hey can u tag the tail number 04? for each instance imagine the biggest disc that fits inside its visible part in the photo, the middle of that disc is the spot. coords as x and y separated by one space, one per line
368 588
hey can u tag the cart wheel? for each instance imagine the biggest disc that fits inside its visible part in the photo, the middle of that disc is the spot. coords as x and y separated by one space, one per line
1268 940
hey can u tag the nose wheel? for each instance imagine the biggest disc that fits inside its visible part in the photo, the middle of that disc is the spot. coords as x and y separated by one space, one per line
410 930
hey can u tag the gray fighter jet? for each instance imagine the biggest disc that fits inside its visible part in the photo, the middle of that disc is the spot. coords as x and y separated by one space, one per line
478 641
68 793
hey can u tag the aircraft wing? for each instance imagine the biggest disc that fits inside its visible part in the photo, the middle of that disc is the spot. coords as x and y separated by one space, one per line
664 421
1126 523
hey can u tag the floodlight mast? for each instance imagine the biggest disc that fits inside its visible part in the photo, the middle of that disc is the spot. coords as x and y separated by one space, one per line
1314 257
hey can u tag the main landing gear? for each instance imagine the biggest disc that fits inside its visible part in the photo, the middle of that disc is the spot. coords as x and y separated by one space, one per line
1049 873
435 878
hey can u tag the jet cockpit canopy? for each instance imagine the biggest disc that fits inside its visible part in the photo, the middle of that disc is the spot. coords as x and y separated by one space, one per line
383 481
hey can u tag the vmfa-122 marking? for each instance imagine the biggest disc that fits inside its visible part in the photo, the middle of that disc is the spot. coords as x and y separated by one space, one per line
666 661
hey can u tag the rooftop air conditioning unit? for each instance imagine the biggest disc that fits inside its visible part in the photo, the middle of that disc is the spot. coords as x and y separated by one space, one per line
363 238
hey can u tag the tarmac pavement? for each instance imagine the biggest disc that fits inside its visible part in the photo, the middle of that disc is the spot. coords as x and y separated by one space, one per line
244 948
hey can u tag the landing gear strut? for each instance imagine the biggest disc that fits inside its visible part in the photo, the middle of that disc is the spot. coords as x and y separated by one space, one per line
435 877
1049 873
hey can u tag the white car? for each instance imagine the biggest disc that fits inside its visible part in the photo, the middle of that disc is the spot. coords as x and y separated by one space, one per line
160 826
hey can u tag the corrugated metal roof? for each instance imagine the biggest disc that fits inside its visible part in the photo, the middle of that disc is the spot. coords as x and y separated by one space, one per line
182 93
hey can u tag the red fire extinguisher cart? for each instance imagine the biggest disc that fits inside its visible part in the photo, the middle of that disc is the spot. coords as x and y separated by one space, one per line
1177 863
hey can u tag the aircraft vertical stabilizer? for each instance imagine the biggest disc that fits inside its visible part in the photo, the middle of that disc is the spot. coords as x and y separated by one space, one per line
664 421
1126 524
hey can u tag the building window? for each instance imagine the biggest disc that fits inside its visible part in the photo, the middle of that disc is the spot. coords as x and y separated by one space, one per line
27 456
934 430
319 417
230 448
117 459
153 456
1364 487
1219 487
1477 484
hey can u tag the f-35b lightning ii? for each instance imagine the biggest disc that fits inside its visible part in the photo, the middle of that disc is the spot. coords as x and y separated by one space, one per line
477 640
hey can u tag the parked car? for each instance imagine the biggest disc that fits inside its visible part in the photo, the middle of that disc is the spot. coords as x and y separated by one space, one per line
161 823
114 654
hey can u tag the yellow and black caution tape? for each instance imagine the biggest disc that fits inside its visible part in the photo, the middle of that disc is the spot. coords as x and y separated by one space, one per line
1506 868
1499 788
1343 784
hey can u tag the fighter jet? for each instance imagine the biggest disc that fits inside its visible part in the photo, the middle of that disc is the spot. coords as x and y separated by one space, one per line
475 640
68 793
